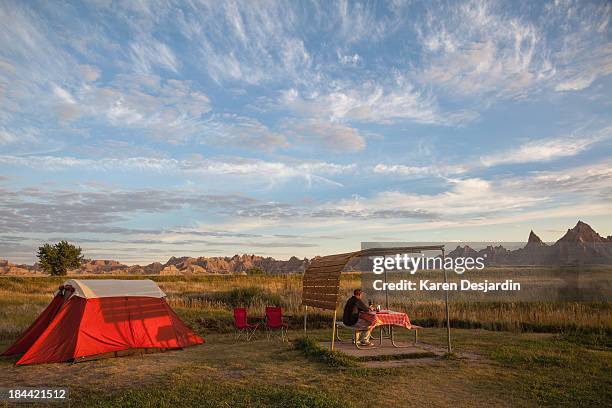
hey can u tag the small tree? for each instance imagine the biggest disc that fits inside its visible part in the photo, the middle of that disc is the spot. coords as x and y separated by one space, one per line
57 259
256 270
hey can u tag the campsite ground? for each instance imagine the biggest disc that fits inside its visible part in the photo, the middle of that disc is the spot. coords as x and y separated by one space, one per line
513 368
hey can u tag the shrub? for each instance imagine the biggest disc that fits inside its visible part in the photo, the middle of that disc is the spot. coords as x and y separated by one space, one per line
256 270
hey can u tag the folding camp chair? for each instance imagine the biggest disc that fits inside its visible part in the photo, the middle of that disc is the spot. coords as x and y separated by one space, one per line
275 323
242 326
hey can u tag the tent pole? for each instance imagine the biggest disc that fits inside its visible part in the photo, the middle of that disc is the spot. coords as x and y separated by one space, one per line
305 316
448 334
333 331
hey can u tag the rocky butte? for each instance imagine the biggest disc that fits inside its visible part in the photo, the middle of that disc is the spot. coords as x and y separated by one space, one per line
579 245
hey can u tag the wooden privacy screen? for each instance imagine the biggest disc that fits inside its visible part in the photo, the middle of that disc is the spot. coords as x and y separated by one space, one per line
322 280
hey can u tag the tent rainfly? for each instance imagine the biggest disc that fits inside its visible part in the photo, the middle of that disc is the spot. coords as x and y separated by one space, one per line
103 318
321 282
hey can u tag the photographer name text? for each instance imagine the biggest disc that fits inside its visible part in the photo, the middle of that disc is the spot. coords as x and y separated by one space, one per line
463 285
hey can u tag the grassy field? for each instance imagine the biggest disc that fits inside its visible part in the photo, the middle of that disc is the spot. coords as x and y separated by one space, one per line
531 354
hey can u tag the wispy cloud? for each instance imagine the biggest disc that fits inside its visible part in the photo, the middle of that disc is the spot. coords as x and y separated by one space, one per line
325 134
401 170
246 42
20 136
543 150
501 53
148 52
237 166
465 198
494 54
242 132
170 109
587 183
373 102
99 210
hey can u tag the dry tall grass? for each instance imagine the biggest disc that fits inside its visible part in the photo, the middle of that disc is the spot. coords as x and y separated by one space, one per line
207 301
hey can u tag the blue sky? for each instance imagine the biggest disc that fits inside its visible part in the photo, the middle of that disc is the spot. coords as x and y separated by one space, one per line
141 130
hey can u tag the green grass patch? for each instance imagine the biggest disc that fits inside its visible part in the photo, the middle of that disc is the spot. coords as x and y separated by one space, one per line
510 356
392 357
311 349
556 372
598 339
214 393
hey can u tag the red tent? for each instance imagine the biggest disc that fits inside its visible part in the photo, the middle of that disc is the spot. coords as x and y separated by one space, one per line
103 318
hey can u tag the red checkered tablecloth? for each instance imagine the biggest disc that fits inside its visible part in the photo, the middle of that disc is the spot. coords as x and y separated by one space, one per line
387 317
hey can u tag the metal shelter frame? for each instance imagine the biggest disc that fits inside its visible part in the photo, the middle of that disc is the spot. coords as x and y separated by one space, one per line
321 281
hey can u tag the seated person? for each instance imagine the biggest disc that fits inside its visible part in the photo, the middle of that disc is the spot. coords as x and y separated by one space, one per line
351 316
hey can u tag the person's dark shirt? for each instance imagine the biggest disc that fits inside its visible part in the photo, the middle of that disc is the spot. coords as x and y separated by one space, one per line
351 310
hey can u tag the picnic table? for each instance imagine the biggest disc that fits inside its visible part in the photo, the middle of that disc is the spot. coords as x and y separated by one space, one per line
389 319
386 318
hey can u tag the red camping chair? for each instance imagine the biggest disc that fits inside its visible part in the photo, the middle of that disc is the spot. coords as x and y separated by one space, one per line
242 326
275 323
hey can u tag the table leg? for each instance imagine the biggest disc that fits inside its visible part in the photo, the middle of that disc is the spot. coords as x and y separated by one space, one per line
393 340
